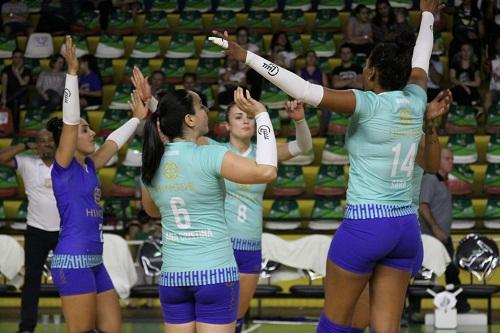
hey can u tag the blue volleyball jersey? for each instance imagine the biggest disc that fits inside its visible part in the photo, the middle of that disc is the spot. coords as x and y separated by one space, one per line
189 191
382 140
77 191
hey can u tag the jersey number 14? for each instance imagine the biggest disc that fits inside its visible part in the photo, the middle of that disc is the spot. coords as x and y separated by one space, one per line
408 162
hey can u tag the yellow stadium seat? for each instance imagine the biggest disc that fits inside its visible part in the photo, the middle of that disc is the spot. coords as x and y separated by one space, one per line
191 65
309 21
128 44
207 19
305 39
106 178
344 17
95 119
446 70
275 21
33 19
334 62
57 41
338 38
11 207
414 18
173 21
92 42
139 22
21 42
198 43
266 41
44 64
447 37
107 94
118 68
164 42
155 64
5 142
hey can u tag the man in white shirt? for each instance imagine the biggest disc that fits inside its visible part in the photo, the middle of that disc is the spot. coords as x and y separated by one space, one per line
43 217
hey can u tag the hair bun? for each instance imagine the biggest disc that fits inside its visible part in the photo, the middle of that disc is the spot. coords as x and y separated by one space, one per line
54 125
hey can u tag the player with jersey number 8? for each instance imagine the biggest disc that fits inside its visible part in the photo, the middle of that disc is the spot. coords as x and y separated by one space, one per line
379 240
184 185
89 300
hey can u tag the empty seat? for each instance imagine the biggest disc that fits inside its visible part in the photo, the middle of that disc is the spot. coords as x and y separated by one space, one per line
39 45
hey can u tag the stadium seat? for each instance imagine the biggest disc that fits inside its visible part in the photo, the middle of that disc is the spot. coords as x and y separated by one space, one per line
335 151
155 23
87 23
493 149
3 219
167 6
142 63
121 23
207 90
210 50
407 4
34 121
259 21
99 141
173 69
284 215
330 181
460 180
111 120
232 5
331 4
463 214
7 45
134 153
438 49
323 44
121 97
461 119
312 119
80 43
492 179
146 46
8 182
105 66
34 6
190 22
117 214
224 20
272 96
198 6
292 20
19 220
110 46
305 158
327 214
302 5
338 124
125 181
264 5
463 148
181 46
290 181
492 213
208 70
327 20
493 119
39 46
368 3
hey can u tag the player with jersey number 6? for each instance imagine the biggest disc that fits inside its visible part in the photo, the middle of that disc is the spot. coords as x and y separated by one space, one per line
379 240
184 185
89 300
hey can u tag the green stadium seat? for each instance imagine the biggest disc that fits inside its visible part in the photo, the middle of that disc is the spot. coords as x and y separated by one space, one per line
493 149
463 148
259 21
133 157
327 20
284 215
292 20
407 4
110 46
368 3
330 181
34 65
492 179
312 120
272 96
155 22
181 46
438 47
35 120
207 90
34 6
232 5
210 50
493 119
463 214
208 70
19 222
105 66
290 181
492 213
190 22
125 181
121 97
267 5
7 45
146 46
331 4
323 44
198 6
302 5
461 119
168 6
117 213
121 23
8 182
142 63
461 179
327 214
111 120
219 129
335 151
87 23
338 124
173 69
305 158
224 20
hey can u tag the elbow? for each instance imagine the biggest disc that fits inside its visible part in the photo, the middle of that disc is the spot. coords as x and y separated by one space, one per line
269 174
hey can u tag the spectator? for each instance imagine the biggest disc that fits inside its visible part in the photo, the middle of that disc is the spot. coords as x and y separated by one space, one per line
348 74
230 78
105 8
57 15
384 20
243 40
156 80
467 28
90 82
436 72
359 31
464 76
15 80
190 82
50 85
435 220
15 17
492 96
402 20
281 51
311 71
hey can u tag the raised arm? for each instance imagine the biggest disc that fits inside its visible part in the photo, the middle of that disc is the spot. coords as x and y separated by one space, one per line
244 170
303 141
71 108
121 135
7 154
423 46
149 205
342 101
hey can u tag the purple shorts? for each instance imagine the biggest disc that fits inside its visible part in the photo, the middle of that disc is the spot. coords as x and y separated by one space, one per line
359 245
210 304
81 280
249 262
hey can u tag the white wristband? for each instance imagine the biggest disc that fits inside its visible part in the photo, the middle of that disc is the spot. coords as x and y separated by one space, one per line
292 84
267 152
153 104
71 101
303 141
124 132
423 46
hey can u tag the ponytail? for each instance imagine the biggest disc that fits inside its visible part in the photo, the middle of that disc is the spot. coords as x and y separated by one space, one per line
153 149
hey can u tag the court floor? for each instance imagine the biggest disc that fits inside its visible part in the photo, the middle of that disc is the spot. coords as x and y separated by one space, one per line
256 327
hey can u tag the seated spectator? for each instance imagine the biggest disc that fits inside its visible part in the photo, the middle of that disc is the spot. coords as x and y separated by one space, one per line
492 96
90 82
243 40
359 31
190 81
156 80
50 85
402 21
464 76
467 28
348 74
15 81
15 17
436 71
281 51
311 71
383 21
230 77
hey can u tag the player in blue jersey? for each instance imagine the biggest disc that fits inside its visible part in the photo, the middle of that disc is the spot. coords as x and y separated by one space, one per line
89 300
184 185
379 240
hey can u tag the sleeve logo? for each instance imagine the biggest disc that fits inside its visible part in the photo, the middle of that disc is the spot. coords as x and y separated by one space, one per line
264 130
271 68
67 95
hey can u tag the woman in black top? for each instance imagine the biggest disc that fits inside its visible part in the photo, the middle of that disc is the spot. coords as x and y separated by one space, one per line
464 76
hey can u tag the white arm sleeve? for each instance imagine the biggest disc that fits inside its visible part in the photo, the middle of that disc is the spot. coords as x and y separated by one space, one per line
71 101
287 81
303 140
267 152
124 132
425 40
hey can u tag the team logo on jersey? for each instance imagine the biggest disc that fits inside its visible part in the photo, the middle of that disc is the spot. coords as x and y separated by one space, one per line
97 194
171 170
271 68
405 116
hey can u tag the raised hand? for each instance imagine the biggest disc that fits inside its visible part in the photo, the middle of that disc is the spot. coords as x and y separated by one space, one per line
295 110
247 104
432 6
69 54
439 106
139 108
141 84
231 48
